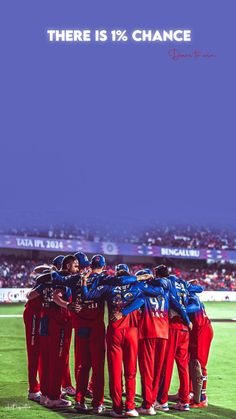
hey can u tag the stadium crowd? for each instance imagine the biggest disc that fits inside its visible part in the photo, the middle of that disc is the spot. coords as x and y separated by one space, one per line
18 273
189 237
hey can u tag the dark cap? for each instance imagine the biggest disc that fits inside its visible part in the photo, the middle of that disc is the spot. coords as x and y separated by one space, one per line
98 261
161 271
57 261
122 267
83 259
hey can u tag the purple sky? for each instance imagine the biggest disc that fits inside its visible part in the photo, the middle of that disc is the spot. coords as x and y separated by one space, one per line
118 130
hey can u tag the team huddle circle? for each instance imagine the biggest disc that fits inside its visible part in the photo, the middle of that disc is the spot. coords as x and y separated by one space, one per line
154 320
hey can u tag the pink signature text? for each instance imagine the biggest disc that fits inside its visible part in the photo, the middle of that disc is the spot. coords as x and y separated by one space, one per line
175 55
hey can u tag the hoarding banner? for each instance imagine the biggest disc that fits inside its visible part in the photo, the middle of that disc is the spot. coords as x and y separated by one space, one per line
113 248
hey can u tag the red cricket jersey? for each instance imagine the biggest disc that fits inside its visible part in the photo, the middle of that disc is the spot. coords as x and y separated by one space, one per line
176 321
199 319
34 306
92 312
153 319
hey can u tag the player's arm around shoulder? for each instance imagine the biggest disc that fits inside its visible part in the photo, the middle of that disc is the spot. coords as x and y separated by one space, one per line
96 292
57 298
35 292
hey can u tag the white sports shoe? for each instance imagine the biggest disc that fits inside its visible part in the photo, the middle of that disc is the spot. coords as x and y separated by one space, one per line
70 391
35 397
59 403
184 407
99 409
191 396
133 413
149 412
164 407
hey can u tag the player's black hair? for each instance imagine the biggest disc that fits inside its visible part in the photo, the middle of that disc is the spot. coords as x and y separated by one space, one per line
122 273
161 271
68 259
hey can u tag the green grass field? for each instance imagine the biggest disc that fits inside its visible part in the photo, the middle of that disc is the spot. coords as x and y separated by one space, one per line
221 369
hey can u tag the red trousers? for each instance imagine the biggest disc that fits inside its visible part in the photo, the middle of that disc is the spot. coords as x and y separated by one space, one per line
151 356
59 344
177 350
90 353
32 321
122 348
44 351
55 339
199 347
66 377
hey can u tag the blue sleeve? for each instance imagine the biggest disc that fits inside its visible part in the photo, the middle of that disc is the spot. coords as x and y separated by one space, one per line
176 305
160 282
96 283
40 288
43 278
125 280
56 277
68 293
69 280
135 305
106 279
150 290
193 308
94 293
117 280
194 288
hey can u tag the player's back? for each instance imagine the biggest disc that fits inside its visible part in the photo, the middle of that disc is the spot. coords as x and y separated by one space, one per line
153 318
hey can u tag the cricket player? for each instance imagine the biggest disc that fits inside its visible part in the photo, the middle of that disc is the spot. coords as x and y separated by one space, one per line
55 331
31 318
122 338
60 328
67 387
89 339
37 294
199 347
153 330
178 341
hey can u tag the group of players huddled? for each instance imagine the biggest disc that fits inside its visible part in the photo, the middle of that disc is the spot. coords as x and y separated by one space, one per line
154 318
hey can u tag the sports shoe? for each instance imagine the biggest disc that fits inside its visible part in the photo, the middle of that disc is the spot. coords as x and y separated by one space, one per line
164 407
133 413
81 407
59 403
35 397
42 400
173 397
99 409
70 391
184 407
114 414
200 405
149 412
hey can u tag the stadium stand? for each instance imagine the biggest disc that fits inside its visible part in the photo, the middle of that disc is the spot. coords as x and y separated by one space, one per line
17 273
189 237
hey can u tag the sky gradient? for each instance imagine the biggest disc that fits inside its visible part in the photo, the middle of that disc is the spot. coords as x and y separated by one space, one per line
118 130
